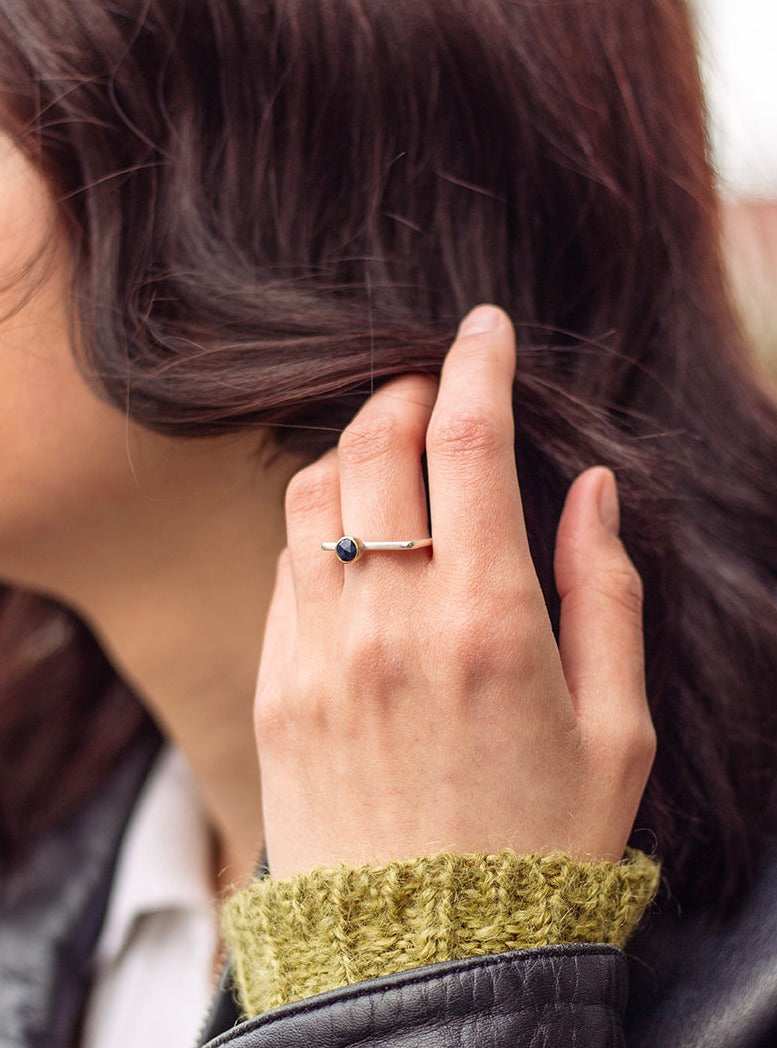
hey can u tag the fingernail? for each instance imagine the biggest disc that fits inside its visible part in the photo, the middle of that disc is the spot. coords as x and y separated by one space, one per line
609 507
480 320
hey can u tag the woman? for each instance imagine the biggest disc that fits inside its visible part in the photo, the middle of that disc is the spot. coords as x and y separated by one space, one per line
224 225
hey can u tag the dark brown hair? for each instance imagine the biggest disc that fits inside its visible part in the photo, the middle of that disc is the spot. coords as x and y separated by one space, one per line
274 204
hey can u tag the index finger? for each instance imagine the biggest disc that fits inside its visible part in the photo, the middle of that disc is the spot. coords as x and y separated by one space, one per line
474 497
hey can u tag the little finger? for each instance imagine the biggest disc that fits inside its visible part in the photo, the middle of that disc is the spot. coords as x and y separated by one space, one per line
312 517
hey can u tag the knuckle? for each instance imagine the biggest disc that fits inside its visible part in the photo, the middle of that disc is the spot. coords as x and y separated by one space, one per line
310 489
647 741
635 744
465 432
478 643
270 719
369 656
496 609
376 653
623 583
301 704
369 437
468 637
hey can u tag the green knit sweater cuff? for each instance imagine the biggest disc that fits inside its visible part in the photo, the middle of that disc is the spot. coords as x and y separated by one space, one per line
312 932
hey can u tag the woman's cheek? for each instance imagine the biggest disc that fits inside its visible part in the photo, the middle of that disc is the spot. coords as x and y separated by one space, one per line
64 466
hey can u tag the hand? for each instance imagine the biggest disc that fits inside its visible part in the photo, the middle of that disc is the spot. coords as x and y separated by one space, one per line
416 702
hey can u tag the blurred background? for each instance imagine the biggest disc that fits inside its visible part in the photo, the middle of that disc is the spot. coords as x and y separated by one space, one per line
739 52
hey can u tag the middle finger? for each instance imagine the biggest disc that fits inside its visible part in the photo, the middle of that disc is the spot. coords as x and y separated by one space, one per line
473 482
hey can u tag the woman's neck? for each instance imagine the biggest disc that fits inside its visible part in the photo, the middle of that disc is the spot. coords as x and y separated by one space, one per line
181 616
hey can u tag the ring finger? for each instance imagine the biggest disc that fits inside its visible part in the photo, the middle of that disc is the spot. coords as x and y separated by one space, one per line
382 492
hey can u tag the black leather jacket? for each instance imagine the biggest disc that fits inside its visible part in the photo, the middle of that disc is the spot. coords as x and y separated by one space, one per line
681 985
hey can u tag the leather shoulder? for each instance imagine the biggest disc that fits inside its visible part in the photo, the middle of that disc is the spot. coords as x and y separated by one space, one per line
703 982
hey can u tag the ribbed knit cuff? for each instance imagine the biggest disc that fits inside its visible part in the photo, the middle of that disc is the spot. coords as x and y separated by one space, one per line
312 932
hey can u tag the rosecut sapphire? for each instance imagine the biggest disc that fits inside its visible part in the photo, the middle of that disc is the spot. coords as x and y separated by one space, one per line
347 550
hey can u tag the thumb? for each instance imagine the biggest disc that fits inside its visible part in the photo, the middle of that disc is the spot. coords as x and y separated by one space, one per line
600 639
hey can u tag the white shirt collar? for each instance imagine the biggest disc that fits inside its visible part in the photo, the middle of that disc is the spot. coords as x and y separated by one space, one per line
165 860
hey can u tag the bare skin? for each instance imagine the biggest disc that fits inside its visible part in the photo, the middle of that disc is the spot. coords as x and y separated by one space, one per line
420 699
169 548
166 547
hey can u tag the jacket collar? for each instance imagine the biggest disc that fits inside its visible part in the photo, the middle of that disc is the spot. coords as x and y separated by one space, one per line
52 908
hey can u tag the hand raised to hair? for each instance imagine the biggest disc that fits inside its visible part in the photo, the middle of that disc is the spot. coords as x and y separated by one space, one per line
415 702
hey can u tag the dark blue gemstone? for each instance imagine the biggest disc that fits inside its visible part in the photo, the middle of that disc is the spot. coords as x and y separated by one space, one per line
347 550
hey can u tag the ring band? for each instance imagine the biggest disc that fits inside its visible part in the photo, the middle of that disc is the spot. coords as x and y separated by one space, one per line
350 549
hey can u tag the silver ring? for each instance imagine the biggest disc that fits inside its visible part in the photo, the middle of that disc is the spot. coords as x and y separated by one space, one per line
350 549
